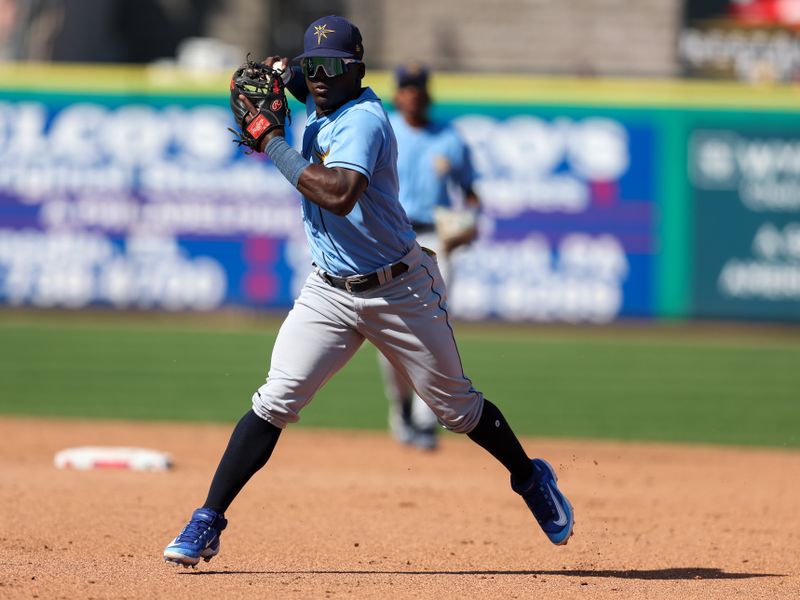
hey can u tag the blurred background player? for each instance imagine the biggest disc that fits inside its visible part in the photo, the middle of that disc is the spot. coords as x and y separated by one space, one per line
436 178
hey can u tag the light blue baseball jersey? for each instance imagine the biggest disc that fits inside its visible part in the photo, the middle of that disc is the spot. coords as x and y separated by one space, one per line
429 159
376 233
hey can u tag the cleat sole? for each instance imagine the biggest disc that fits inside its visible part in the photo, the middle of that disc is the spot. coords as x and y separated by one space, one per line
178 559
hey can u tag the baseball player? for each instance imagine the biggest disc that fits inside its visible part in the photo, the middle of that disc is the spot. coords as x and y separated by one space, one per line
370 281
432 161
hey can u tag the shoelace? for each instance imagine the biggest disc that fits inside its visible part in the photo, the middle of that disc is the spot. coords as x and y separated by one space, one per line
193 531
538 500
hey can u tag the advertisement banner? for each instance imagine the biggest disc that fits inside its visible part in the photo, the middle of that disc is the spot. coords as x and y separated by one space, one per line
132 203
569 215
747 40
745 184
143 202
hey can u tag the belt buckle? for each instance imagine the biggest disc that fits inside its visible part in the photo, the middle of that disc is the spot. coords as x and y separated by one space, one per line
348 283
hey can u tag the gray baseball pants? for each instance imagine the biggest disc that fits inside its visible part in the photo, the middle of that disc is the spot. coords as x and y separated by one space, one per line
405 318
396 386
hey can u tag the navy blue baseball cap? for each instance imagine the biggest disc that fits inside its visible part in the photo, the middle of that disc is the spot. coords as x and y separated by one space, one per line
332 36
412 74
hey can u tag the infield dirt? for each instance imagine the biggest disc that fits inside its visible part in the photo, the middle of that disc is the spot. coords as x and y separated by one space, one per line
353 515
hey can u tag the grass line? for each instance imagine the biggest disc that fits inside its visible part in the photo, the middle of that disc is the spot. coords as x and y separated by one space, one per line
686 384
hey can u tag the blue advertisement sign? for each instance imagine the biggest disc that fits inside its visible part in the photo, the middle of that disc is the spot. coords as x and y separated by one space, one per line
139 205
569 219
146 203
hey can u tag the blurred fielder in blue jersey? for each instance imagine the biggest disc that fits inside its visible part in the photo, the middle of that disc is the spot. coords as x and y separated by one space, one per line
436 190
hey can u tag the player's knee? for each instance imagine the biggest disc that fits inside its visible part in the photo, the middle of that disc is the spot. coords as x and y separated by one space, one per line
459 414
278 403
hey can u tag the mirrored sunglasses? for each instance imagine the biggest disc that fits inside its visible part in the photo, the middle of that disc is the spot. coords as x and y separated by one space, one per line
331 67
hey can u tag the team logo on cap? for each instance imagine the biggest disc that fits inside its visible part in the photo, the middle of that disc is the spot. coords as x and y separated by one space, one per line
322 31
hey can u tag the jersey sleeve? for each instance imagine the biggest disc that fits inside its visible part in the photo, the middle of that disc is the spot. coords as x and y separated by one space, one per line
357 143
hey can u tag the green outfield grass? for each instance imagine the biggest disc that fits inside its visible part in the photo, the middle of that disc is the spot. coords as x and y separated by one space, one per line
644 383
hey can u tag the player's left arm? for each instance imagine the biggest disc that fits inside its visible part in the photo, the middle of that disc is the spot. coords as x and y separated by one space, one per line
471 199
464 176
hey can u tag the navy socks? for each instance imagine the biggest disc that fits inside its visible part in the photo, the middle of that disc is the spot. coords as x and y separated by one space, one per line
253 440
494 435
251 444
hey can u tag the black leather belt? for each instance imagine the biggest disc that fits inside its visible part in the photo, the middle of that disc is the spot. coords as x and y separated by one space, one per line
422 227
361 283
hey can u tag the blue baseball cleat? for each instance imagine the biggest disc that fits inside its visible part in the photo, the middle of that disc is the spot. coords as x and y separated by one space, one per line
199 539
551 508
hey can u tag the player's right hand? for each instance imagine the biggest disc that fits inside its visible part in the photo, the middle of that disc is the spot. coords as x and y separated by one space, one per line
280 64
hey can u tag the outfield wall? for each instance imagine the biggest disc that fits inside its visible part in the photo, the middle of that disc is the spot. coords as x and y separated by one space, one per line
603 199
